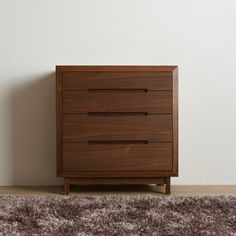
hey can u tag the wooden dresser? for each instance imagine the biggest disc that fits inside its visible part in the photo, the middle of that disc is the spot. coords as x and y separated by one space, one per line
117 124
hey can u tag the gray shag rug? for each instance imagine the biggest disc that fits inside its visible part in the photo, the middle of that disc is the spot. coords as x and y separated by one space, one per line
117 215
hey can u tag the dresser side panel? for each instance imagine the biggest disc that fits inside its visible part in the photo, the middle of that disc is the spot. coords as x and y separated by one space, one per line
175 123
59 121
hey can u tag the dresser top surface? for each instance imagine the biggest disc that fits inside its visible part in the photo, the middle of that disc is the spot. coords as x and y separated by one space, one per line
136 68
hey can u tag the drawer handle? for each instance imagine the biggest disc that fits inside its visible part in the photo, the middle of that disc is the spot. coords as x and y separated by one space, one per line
118 142
117 113
118 90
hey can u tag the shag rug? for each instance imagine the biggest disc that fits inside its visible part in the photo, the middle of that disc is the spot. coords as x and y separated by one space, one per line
117 215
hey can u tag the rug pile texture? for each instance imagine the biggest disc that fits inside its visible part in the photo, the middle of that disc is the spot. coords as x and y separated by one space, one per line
117 215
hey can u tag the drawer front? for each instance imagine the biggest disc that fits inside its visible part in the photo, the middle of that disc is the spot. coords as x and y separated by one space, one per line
83 128
150 102
86 157
117 80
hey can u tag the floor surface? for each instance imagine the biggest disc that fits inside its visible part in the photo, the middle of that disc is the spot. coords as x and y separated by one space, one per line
176 190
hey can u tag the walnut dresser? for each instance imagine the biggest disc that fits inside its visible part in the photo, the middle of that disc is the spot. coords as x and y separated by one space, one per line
117 124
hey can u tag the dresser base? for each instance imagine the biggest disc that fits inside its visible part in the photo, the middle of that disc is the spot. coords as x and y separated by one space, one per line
160 181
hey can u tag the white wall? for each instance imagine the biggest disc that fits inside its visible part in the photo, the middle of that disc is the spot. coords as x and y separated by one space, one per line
199 36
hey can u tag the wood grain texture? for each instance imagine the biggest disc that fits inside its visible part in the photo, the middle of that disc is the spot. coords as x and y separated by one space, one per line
117 80
121 113
59 112
83 156
126 101
117 174
167 188
107 68
66 186
82 128
175 123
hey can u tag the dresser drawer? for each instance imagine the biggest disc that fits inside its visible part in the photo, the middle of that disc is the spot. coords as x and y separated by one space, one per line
85 157
150 102
83 128
117 80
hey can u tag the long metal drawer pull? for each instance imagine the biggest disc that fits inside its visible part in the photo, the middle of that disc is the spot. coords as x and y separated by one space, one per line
117 113
142 90
118 142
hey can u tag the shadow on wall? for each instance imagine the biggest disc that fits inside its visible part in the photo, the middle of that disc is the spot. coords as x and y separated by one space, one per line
33 132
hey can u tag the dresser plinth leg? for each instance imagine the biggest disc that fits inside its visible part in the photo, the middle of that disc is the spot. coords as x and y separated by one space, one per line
66 186
167 185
